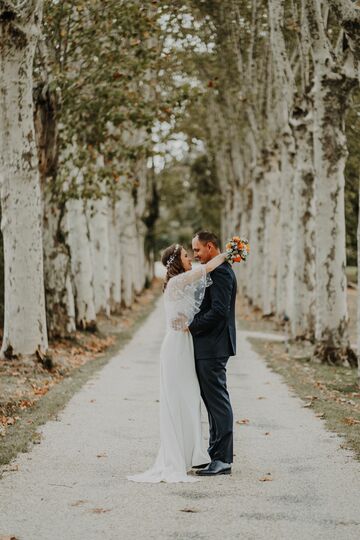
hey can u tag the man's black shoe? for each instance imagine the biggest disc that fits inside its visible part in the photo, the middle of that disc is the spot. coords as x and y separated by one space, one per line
201 466
215 467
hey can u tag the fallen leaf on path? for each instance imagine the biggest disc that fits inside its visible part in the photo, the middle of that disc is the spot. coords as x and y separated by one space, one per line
350 421
261 397
266 478
189 510
8 537
267 433
79 502
320 415
243 421
104 454
92 400
100 510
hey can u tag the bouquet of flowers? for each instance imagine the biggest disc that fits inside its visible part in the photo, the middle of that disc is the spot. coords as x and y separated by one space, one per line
237 249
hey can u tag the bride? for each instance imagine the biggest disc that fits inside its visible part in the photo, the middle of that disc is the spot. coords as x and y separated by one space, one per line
181 445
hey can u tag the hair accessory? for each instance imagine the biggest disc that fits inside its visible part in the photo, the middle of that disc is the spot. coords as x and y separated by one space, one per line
172 257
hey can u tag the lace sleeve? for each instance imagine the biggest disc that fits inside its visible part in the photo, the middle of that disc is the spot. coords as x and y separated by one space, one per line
184 295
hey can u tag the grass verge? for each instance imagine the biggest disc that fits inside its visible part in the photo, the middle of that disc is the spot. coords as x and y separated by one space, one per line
22 431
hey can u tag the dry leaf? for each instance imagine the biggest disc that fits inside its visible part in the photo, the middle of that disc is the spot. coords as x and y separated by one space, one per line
320 415
79 502
266 478
243 421
189 510
104 454
267 433
8 537
100 510
261 397
350 421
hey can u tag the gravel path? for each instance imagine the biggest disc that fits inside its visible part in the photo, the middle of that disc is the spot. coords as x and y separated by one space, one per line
72 486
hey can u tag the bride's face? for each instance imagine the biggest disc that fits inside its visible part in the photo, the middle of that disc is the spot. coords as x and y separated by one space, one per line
185 259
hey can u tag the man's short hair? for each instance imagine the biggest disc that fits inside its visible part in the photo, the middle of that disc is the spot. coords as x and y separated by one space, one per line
207 236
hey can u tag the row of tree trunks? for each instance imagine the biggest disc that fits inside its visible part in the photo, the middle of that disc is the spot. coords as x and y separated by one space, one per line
292 169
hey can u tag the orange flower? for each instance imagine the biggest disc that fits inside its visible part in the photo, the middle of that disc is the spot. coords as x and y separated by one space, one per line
236 239
228 245
248 248
237 258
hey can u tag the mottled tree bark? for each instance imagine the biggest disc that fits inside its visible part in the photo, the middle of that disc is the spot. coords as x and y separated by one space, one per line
302 317
271 232
25 329
333 83
60 310
80 255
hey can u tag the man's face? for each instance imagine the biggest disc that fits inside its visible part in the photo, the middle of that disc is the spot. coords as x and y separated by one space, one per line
202 252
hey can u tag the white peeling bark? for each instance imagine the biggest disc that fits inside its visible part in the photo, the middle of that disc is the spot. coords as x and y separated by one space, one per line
81 262
332 86
284 89
303 314
129 247
99 242
60 304
256 262
271 233
358 293
284 291
140 206
114 256
25 321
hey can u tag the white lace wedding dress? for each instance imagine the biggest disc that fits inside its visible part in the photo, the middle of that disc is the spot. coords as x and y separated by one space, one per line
181 444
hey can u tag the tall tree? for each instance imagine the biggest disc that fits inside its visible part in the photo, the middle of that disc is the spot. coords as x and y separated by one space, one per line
25 322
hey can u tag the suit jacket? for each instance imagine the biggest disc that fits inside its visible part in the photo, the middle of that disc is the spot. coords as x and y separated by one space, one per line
213 328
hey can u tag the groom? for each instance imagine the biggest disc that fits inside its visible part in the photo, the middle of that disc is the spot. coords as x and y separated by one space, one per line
214 336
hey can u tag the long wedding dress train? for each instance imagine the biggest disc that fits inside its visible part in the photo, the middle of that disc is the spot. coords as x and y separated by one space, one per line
181 444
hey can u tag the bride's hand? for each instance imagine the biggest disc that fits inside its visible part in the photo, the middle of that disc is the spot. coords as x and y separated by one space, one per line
180 323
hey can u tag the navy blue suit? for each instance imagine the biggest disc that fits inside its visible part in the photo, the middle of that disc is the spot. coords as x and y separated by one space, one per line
214 335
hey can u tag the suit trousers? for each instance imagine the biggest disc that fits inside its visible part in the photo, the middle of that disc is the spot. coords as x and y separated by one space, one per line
211 373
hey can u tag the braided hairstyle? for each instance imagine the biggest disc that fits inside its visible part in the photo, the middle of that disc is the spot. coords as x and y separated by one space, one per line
171 259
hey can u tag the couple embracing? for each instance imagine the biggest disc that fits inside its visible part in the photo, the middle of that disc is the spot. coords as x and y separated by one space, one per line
200 337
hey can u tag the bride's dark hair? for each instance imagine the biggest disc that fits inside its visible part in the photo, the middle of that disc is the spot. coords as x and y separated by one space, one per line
171 259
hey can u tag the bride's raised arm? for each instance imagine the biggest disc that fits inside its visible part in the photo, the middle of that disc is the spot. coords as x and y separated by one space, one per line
215 262
199 271
197 274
